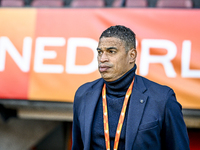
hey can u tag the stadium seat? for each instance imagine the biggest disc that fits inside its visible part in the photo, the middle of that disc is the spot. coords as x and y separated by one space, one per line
130 3
108 3
67 3
27 2
87 3
152 3
196 3
47 3
12 3
174 4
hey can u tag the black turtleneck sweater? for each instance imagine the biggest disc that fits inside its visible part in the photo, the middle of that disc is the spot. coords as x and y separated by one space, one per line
115 92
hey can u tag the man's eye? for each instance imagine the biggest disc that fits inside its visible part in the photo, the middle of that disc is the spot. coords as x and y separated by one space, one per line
100 52
112 51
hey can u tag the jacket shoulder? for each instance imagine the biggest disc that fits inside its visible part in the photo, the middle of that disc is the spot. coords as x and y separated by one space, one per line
83 89
156 91
151 85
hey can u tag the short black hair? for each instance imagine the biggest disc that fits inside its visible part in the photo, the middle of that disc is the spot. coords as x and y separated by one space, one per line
123 33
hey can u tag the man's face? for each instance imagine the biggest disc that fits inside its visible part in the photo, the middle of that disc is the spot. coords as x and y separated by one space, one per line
113 60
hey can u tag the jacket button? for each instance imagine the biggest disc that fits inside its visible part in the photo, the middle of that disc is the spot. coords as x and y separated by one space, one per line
141 101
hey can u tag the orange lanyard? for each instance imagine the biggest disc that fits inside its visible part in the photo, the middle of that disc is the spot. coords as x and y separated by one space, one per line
121 118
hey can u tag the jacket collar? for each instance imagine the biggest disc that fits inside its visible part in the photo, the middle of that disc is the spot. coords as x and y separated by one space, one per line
135 112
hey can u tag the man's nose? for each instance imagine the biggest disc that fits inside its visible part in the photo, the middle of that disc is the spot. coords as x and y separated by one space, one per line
104 58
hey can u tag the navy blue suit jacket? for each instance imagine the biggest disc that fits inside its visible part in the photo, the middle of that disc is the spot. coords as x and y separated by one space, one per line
154 120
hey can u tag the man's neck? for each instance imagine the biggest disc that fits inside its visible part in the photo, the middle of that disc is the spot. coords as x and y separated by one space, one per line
119 87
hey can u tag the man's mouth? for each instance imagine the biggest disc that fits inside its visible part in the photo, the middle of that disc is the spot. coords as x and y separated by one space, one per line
103 68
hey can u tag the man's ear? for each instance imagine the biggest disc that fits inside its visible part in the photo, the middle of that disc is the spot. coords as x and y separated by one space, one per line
132 55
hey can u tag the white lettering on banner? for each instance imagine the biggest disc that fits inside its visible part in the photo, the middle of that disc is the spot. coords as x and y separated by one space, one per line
165 60
41 54
23 62
185 62
72 45
136 43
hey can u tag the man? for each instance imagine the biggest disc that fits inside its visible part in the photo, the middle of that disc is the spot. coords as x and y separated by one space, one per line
122 110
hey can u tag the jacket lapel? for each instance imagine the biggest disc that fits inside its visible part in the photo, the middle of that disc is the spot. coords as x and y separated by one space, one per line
91 100
135 112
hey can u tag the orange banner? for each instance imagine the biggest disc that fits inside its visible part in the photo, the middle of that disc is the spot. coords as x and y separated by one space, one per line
46 54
